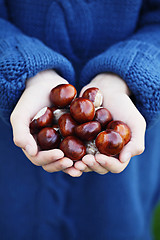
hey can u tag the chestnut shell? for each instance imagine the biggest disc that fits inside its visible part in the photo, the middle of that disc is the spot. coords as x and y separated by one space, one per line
66 125
73 148
41 121
103 116
82 110
122 128
109 142
62 95
88 131
48 138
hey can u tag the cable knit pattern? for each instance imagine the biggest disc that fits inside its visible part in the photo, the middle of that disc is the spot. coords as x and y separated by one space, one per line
21 58
99 35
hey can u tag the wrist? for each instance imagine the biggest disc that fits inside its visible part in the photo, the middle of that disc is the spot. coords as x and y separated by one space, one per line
47 79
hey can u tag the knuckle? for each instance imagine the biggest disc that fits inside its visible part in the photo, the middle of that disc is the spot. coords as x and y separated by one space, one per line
11 118
61 165
140 149
142 122
17 141
14 116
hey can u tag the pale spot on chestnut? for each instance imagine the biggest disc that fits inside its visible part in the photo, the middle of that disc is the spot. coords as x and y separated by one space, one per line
94 95
43 118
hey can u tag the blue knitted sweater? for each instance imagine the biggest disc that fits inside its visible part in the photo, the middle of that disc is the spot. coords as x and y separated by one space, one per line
79 39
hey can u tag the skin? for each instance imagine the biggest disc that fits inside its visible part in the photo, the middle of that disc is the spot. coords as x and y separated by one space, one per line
116 96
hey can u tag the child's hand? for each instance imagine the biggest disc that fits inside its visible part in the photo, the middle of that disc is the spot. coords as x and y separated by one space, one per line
34 98
117 101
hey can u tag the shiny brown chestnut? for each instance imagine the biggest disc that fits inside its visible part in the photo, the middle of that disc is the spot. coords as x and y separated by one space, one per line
43 118
66 125
103 116
122 129
82 110
109 142
73 148
48 138
62 95
88 131
94 95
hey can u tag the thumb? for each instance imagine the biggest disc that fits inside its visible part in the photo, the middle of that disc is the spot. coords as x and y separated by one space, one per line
22 136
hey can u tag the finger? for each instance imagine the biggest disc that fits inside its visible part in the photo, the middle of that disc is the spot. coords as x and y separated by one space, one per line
21 117
58 165
136 145
133 148
45 157
22 136
91 162
73 172
82 166
110 163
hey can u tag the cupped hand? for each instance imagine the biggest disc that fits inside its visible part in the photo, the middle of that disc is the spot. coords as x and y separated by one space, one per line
34 98
117 101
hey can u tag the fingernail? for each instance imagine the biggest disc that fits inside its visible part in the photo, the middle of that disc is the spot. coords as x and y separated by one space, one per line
126 157
29 149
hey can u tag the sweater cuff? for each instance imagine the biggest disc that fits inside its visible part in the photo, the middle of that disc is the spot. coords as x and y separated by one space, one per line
138 64
21 58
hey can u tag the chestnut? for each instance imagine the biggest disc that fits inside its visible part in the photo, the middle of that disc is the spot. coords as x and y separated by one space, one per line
73 148
88 131
48 138
94 95
66 125
103 116
82 110
109 142
62 95
43 118
122 129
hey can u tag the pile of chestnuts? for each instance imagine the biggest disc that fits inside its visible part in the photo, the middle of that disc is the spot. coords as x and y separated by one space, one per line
78 126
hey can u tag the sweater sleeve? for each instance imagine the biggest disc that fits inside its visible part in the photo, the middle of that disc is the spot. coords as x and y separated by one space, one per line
22 57
137 61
